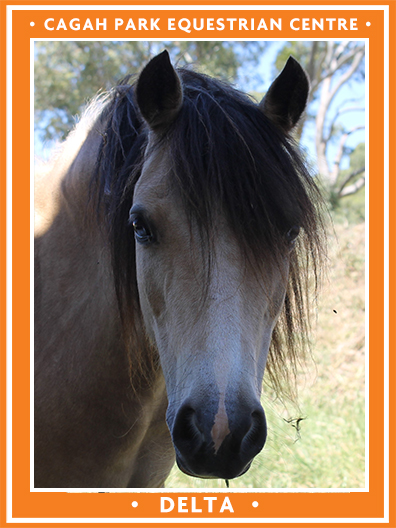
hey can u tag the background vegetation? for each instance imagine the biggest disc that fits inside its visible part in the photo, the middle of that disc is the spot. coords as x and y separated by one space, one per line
319 442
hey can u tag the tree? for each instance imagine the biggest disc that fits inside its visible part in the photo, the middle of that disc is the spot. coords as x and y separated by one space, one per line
68 74
330 65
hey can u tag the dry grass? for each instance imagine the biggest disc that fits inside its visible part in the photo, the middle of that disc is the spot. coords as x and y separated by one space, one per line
328 449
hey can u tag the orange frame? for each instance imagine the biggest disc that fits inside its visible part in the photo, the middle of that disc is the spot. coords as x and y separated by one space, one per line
20 505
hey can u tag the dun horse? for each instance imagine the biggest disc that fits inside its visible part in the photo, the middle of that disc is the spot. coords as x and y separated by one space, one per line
174 231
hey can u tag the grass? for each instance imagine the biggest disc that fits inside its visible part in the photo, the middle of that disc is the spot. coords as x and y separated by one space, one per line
327 448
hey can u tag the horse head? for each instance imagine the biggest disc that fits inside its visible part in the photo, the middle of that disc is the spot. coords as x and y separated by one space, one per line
209 309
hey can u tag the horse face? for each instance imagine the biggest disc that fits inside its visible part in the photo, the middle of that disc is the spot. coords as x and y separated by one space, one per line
212 325
212 328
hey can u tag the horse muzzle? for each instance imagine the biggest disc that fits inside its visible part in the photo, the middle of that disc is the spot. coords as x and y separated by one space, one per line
204 451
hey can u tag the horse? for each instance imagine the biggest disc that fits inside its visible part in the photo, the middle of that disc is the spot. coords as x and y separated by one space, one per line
176 233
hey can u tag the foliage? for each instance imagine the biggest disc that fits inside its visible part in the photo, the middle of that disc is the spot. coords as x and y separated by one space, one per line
350 205
69 73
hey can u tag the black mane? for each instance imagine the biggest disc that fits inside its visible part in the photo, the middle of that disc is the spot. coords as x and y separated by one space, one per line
226 155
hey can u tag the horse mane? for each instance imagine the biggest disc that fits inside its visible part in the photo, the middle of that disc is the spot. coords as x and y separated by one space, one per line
226 155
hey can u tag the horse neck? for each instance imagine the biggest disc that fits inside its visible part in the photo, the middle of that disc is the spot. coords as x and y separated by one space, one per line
76 279
73 266
62 184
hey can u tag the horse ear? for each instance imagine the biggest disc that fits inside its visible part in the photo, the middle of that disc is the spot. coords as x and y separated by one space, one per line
287 96
159 92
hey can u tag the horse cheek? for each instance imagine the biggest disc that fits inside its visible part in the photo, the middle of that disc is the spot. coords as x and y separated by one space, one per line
151 296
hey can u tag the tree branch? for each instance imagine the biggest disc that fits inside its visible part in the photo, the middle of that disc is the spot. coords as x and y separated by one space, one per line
311 63
354 188
340 152
350 177
337 115
348 74
336 66
327 94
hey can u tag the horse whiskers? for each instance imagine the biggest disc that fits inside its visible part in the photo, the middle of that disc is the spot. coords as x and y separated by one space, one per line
128 431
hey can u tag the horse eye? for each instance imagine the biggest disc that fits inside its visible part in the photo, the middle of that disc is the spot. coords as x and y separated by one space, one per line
143 234
292 234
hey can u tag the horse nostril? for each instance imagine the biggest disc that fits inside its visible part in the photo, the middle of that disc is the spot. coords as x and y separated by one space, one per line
196 451
186 432
257 433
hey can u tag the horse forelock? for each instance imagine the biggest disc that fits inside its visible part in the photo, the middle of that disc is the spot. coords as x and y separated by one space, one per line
224 154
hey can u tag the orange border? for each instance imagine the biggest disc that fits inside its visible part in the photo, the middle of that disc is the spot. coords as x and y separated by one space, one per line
80 505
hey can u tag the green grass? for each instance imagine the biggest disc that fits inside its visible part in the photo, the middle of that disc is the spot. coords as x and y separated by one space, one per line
328 450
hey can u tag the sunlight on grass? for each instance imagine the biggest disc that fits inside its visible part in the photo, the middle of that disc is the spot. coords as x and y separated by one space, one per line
327 448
